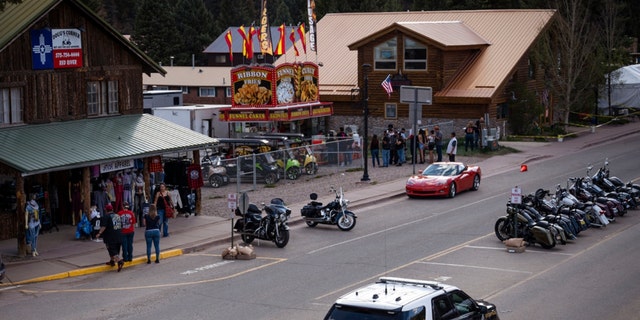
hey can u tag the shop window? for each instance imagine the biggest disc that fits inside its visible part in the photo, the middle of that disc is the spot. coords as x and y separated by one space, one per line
385 55
102 97
532 70
220 58
415 55
207 92
11 109
390 111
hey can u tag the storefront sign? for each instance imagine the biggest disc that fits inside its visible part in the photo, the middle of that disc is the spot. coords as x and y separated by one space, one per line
321 111
282 115
247 116
307 88
116 165
302 113
286 80
253 86
56 48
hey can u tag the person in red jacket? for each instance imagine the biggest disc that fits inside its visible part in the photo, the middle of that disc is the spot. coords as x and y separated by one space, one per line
128 219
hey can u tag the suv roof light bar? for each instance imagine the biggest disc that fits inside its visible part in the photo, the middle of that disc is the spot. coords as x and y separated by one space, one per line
434 285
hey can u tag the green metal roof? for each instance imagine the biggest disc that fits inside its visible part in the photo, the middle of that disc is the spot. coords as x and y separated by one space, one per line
34 149
19 18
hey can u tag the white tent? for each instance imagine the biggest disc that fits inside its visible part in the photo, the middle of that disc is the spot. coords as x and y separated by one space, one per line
625 89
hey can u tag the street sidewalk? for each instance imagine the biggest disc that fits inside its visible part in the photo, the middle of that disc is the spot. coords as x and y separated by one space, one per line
62 256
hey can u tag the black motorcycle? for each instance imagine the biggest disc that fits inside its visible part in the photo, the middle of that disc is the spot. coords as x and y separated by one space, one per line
518 224
335 212
272 227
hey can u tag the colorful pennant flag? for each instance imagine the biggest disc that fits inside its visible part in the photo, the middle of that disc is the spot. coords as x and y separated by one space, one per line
386 84
303 38
311 13
292 37
266 47
281 43
230 44
243 34
252 32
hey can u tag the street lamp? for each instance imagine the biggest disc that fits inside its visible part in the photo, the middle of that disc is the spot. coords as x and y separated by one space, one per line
365 97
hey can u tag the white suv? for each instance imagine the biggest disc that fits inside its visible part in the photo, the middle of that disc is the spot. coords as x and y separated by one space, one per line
408 299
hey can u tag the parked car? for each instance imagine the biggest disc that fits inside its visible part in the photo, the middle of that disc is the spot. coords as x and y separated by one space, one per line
400 299
443 179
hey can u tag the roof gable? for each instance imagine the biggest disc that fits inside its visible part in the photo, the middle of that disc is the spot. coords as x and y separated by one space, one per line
510 33
18 18
445 35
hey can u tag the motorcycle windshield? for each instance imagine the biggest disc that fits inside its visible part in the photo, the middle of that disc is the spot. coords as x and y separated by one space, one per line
269 158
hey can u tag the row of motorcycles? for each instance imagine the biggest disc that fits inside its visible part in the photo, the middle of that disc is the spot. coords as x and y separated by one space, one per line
547 218
273 226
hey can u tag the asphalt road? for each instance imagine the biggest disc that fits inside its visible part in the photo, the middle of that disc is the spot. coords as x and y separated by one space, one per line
449 240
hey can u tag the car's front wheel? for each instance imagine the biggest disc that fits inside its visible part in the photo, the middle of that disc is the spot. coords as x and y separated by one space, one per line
452 190
476 183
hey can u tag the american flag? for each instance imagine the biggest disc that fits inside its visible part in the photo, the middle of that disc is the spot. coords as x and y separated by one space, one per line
386 84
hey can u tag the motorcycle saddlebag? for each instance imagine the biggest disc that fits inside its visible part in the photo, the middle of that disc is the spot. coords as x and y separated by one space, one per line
309 211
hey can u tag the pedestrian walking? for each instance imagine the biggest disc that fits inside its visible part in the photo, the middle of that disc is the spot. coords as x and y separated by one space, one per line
438 141
151 224
375 150
452 148
386 149
469 137
431 144
128 220
111 232
162 202
33 225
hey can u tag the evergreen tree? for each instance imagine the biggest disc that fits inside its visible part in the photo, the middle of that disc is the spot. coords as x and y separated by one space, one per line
195 25
3 3
155 30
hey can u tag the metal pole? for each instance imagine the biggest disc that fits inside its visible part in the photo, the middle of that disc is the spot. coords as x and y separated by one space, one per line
365 69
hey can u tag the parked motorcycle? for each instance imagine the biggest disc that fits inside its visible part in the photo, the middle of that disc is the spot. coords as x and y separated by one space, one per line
632 188
335 212
517 224
272 227
625 194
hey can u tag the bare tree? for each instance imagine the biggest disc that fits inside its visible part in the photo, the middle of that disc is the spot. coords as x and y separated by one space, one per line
568 51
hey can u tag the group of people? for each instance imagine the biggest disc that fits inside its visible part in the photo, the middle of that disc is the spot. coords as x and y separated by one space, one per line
117 231
424 147
392 144
340 147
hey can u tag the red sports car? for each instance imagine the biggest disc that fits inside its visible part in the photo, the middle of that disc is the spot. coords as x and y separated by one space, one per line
443 179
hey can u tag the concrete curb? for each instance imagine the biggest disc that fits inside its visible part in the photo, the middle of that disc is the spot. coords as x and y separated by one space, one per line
94 269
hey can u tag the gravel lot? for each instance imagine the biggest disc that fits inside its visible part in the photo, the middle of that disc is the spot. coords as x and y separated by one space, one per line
297 191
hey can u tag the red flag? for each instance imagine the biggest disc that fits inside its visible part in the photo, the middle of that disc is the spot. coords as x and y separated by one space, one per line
281 46
243 34
252 32
303 38
292 37
230 44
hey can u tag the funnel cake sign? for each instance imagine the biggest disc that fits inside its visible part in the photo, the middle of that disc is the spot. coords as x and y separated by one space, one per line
268 86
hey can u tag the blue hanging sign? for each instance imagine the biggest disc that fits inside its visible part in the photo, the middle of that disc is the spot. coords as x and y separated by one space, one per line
42 49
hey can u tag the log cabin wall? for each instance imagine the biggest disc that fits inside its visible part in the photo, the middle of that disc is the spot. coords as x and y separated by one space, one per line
60 94
442 66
